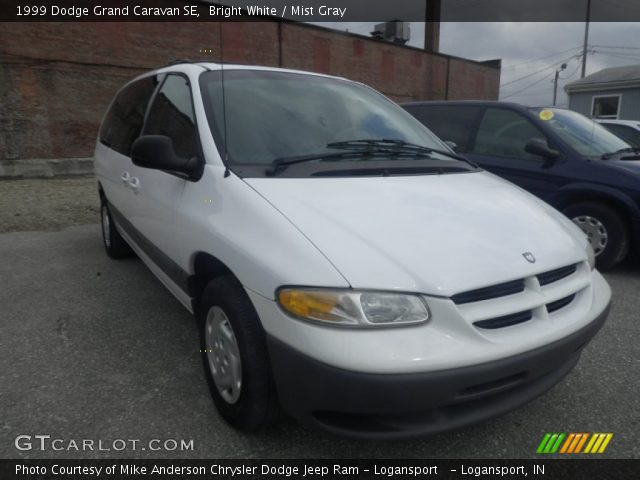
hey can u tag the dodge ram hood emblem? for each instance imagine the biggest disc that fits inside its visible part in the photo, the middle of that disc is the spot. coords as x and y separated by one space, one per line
528 256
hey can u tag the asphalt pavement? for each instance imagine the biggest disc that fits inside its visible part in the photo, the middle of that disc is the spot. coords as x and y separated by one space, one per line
96 349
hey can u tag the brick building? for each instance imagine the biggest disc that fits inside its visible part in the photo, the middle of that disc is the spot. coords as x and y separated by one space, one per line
56 79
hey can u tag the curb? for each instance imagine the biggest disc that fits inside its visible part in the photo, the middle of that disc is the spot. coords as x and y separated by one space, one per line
45 168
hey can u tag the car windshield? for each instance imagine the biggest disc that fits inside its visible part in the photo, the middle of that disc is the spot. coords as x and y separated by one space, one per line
584 135
271 116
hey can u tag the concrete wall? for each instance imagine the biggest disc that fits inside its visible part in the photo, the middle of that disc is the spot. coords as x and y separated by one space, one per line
629 102
56 79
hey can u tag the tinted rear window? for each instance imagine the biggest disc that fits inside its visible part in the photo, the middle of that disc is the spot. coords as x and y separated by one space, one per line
123 122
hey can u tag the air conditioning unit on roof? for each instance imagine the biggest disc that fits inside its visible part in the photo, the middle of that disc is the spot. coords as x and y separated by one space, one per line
395 32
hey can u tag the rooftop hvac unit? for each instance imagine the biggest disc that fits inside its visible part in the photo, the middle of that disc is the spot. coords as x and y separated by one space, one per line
394 32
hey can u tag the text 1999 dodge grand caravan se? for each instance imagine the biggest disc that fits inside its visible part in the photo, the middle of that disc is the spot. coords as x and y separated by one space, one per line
341 260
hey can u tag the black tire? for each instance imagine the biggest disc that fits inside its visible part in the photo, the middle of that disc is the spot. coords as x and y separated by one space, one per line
115 246
256 406
614 225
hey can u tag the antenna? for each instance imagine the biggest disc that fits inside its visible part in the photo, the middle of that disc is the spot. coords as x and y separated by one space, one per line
225 160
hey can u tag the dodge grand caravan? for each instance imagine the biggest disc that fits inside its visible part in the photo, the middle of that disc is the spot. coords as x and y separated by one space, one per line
561 156
342 262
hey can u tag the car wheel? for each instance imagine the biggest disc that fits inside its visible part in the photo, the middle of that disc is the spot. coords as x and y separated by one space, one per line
114 244
234 354
606 230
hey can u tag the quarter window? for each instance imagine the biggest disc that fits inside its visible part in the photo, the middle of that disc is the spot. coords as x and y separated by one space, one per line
172 115
123 122
505 133
606 106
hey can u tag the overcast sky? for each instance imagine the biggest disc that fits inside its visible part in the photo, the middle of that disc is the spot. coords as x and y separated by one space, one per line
531 52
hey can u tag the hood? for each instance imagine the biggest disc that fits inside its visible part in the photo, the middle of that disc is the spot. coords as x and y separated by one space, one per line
630 163
434 234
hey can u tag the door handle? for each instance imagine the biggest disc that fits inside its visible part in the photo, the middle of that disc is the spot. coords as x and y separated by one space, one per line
125 177
134 183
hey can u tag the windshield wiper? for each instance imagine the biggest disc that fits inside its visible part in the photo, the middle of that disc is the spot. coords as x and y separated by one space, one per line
388 169
364 148
394 145
608 155
281 163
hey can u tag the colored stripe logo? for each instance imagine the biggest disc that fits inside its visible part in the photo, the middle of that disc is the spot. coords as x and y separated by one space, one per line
569 443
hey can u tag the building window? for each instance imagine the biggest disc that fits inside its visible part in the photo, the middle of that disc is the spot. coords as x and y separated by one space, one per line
605 106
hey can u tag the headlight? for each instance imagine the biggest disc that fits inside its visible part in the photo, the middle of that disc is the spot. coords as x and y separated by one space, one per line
353 308
591 256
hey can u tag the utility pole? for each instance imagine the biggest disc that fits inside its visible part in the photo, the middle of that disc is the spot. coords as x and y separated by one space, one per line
555 82
586 40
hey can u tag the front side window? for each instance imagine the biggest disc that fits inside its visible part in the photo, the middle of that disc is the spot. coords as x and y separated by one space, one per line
606 106
172 115
505 133
273 115
123 122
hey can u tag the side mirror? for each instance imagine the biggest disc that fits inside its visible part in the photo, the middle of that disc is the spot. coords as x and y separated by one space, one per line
539 146
452 145
158 152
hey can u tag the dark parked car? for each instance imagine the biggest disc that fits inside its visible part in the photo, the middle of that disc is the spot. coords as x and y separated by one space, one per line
568 160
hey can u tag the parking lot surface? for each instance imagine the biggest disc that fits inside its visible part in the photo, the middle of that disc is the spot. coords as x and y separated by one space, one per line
92 348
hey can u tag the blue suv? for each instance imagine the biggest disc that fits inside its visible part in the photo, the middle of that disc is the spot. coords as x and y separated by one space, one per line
566 159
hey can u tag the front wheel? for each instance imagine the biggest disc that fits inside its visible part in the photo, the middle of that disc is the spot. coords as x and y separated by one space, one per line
234 354
606 230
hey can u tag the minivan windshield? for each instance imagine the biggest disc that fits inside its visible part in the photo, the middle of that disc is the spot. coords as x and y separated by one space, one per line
271 116
587 137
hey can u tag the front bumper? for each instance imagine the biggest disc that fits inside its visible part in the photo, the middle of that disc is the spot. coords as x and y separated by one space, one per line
385 406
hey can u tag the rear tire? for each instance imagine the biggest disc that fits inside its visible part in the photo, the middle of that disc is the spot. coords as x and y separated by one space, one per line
115 246
606 229
234 355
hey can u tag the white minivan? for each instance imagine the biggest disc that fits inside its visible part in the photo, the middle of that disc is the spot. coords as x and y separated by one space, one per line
342 262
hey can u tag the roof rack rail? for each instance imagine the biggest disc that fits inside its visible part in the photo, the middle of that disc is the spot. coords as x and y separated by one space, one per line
179 61
192 62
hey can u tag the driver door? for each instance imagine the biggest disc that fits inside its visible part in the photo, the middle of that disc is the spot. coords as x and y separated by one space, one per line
160 214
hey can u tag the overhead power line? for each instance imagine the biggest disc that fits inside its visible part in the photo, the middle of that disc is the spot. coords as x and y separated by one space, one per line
620 47
620 55
525 76
512 94
553 66
536 60
535 91
571 74
527 91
